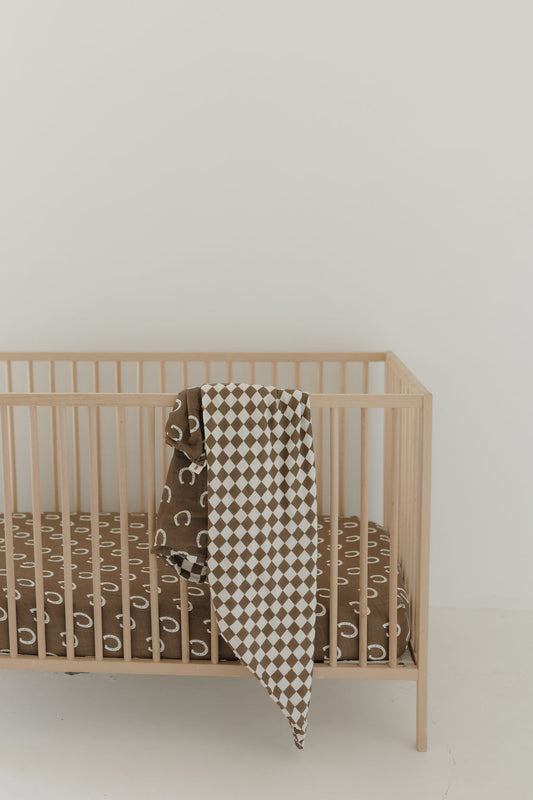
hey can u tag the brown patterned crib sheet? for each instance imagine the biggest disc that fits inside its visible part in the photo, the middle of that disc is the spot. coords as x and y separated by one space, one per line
169 595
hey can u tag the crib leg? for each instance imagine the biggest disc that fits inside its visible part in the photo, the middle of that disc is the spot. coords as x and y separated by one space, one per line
422 712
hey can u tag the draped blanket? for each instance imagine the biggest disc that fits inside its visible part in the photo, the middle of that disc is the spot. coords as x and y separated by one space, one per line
256 497
181 537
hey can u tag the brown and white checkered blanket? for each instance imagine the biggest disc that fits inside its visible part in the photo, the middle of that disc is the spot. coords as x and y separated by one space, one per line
261 528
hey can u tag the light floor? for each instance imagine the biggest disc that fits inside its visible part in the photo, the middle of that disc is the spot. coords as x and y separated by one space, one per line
90 737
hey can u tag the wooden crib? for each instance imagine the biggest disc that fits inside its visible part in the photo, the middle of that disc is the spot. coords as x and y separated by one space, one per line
83 432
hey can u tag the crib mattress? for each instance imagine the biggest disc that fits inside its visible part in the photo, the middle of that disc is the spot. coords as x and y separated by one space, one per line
169 594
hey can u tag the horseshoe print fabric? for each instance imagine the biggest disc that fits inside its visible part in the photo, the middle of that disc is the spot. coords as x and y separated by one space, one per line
181 532
169 596
262 543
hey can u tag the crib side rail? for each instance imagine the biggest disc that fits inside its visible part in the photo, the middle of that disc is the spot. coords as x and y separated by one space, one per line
164 371
149 407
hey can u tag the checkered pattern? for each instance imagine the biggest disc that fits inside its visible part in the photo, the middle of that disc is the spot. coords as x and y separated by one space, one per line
262 548
192 571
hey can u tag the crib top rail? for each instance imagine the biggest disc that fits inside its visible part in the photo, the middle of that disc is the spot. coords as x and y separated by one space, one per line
166 400
401 381
305 356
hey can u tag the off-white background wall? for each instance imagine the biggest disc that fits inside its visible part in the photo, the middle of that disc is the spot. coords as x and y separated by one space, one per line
292 175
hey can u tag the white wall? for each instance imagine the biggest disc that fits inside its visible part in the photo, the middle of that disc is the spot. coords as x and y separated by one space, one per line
292 175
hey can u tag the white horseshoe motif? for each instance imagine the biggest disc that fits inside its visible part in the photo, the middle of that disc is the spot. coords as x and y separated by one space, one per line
199 539
168 629
90 597
49 595
63 636
187 516
202 652
195 423
149 642
386 626
143 601
169 498
179 436
133 624
356 603
326 650
88 624
31 640
191 473
380 648
349 625
118 643
46 615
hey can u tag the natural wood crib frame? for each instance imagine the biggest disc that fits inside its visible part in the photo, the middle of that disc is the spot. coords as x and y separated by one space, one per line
407 410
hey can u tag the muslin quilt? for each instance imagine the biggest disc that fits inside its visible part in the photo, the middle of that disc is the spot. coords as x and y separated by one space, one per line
239 510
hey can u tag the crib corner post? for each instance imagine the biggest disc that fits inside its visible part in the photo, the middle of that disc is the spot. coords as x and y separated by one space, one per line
422 711
423 573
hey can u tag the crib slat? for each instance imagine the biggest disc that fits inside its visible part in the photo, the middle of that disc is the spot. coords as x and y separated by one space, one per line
214 637
334 536
206 371
7 443
53 434
425 426
162 389
96 388
342 442
31 381
184 614
76 440
387 449
274 373
141 438
252 371
405 552
154 597
37 535
184 377
13 464
95 481
297 375
415 538
404 485
363 542
320 438
124 542
365 377
67 547
118 376
393 541
229 371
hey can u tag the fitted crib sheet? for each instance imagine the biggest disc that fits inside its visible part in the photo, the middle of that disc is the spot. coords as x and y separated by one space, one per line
169 594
